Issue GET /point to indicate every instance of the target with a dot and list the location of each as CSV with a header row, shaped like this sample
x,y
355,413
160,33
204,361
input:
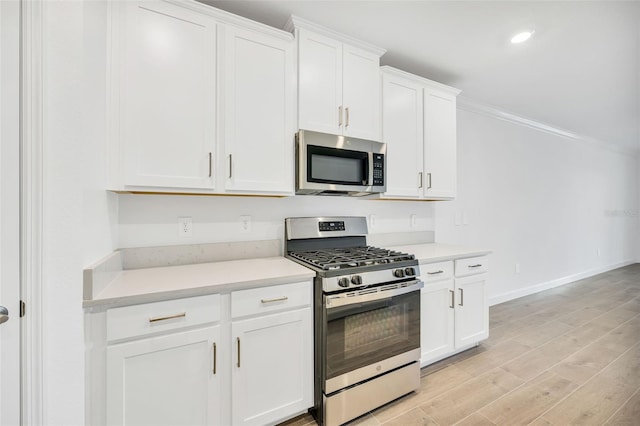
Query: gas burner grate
x,y
350,257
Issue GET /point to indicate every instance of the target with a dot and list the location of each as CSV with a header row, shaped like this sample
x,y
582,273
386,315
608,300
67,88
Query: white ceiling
x,y
579,72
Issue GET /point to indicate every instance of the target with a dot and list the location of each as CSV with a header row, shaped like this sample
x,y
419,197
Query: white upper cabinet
x,y
164,76
338,82
259,76
403,133
201,101
419,127
439,143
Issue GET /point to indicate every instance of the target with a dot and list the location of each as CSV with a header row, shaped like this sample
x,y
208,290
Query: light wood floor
x,y
569,355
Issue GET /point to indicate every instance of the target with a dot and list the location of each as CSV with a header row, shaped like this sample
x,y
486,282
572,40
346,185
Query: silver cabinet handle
x,y
230,165
436,272
453,295
346,119
475,266
156,319
429,180
419,179
340,116
215,357
274,300
461,297
238,343
210,163
4,315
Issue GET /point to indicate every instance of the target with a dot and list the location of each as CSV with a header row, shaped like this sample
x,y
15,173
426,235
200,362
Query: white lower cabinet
x,y
166,380
271,372
454,307
241,358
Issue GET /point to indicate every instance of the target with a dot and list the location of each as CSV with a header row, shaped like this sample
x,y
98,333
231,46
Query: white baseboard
x,y
504,297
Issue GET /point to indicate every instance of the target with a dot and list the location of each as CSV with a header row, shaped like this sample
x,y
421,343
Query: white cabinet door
x,y
166,380
472,313
437,321
439,144
361,93
320,83
167,93
272,376
402,132
258,112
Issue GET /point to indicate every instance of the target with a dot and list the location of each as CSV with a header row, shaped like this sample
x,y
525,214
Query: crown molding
x,y
386,69
469,105
295,22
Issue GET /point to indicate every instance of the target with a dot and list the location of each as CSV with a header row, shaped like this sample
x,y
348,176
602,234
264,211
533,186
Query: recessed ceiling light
x,y
523,36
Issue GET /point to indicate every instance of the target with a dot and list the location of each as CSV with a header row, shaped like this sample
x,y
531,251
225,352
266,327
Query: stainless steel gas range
x,y
366,316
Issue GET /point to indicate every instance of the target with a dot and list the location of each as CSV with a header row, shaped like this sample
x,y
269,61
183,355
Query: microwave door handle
x,y
368,172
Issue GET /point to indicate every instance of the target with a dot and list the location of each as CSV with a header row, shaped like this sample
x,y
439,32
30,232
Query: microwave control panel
x,y
378,169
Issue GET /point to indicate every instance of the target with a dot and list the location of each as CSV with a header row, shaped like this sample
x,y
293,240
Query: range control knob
x,y
410,271
356,280
398,273
343,282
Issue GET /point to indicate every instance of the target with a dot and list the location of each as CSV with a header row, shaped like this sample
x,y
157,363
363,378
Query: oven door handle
x,y
343,299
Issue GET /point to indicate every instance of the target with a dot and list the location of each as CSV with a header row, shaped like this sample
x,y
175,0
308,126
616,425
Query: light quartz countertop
x,y
171,282
436,252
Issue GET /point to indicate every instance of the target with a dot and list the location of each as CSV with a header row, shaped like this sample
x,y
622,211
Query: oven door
x,y
369,332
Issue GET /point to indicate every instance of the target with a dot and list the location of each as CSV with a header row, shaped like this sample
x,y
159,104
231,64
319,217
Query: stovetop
x,y
344,258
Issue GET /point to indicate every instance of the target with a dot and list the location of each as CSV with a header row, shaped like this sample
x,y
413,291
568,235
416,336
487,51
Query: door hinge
x,y
23,308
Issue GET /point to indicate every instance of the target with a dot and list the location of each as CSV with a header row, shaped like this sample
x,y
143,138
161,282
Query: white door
x,y
439,144
9,214
472,313
319,83
258,112
166,380
167,90
436,320
402,132
283,343
361,93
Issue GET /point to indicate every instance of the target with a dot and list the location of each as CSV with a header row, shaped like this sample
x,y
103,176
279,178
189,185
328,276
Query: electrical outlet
x,y
245,223
185,227
517,268
465,218
598,252
372,221
413,220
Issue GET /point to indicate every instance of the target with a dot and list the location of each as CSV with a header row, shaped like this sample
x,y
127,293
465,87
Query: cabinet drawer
x,y
138,320
471,265
268,299
431,272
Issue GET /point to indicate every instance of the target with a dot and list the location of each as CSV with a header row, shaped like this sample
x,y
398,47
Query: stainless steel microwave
x,y
339,165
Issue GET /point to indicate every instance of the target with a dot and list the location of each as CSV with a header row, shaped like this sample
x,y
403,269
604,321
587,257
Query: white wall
x,y
79,216
540,200
148,220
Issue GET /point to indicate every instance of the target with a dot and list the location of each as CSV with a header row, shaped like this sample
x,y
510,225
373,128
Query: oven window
x,y
337,166
365,333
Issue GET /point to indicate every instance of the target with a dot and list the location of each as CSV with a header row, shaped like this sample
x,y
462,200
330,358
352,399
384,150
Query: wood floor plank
x,y
464,400
495,357
591,404
536,335
628,414
441,381
542,358
415,417
585,363
581,316
476,419
529,401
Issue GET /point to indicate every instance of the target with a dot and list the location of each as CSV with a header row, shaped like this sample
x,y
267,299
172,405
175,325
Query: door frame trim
x,y
31,208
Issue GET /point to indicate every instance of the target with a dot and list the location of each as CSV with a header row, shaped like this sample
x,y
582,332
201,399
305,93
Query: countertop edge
x,y
114,302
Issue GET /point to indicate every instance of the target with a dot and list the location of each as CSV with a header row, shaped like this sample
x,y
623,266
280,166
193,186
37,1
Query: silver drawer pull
x,y
156,319
475,266
436,272
279,299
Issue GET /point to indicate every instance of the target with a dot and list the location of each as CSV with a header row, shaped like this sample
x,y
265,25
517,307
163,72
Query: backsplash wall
x,y
151,220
